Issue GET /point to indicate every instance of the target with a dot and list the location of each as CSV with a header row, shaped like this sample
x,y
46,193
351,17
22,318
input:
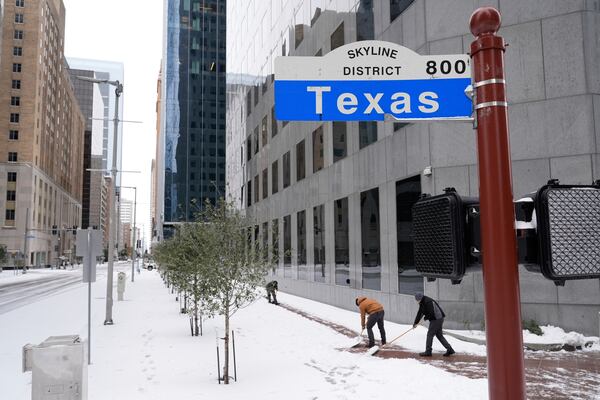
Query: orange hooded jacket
x,y
367,306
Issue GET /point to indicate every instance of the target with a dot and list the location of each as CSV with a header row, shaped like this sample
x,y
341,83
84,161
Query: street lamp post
x,y
108,320
133,242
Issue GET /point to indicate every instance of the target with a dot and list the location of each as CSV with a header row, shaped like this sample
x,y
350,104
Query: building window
x,y
408,191
397,7
367,131
371,252
255,139
19,18
13,135
286,170
249,102
15,101
17,67
18,35
275,243
249,148
249,194
339,140
274,177
16,84
14,118
318,159
298,34
256,190
287,246
300,162
342,243
337,37
399,125
20,3
265,241
273,122
265,182
12,156
301,239
11,177
255,95
17,51
319,242
264,132
10,216
365,25
11,195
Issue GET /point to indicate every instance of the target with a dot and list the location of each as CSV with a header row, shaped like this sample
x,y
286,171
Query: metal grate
x,y
574,228
435,245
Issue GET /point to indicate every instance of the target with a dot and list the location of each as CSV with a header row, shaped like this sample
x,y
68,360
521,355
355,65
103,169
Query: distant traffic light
x,y
446,241
568,231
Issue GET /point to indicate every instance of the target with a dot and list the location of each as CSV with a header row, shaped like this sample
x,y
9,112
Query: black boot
x,y
449,352
425,354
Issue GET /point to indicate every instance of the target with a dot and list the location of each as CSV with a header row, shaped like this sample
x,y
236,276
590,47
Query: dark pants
x,y
375,318
272,293
435,329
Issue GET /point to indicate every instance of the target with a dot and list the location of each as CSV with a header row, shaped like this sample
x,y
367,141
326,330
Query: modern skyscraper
x,y
97,102
335,199
41,135
103,110
191,146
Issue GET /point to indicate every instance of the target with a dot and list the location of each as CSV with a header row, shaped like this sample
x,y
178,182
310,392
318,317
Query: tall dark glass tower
x,y
191,144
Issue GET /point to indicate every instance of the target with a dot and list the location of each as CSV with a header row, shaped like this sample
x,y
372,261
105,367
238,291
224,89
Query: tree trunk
x,y
226,361
196,328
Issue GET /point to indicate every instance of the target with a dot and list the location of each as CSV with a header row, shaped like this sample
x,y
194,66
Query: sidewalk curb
x,y
528,346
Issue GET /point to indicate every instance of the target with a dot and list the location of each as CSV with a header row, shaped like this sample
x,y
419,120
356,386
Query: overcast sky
x,y
127,31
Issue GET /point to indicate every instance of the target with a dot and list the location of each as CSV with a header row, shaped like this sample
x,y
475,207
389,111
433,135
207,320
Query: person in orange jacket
x,y
376,313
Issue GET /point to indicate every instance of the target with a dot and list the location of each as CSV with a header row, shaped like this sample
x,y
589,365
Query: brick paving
x,y
549,375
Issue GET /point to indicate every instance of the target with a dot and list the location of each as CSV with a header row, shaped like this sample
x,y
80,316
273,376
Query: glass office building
x,y
334,200
191,146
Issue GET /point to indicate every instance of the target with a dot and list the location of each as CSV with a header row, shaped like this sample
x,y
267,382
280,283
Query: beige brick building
x,y
41,135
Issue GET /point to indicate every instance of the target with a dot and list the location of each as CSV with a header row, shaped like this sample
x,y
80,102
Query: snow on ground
x,y
551,335
149,353
412,341
12,276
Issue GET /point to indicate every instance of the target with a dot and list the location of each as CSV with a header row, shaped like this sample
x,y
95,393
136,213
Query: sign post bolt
x,y
506,372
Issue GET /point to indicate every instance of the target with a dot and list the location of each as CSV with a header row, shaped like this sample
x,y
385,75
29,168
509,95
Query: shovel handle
x,y
399,336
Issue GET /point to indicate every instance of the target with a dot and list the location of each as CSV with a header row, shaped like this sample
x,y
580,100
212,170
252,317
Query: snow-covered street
x,y
149,353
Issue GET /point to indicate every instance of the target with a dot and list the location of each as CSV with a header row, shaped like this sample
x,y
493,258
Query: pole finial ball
x,y
485,20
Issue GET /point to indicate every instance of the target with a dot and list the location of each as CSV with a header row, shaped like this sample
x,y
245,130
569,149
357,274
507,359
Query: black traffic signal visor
x,y
568,222
439,242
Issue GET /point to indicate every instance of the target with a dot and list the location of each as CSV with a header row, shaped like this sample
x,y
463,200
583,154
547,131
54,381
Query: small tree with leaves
x,y
237,269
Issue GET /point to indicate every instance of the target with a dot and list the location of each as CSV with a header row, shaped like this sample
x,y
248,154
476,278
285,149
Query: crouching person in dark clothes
x,y
375,311
272,291
435,315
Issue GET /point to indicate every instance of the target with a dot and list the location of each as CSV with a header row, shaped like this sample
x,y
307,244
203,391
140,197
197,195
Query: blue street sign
x,y
365,81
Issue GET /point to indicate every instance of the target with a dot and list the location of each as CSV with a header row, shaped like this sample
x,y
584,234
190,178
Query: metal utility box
x,y
59,368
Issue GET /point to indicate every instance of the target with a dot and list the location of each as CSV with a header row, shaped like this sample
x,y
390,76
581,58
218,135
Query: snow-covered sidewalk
x,y
149,353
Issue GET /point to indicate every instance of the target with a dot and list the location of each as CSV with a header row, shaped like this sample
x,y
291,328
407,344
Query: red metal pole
x,y
506,371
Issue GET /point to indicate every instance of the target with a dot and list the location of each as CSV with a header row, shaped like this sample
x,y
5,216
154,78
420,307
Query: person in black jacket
x,y
272,291
435,315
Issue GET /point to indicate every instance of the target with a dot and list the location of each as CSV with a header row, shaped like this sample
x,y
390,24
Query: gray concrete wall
x,y
553,75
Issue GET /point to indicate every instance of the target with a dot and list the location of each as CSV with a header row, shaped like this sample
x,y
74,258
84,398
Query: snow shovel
x,y
358,339
373,350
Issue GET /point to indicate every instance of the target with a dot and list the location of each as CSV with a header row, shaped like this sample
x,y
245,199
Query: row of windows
x,y
408,192
11,195
367,134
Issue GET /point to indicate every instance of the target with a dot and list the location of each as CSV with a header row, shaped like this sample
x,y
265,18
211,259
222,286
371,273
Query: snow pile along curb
x,y
552,339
